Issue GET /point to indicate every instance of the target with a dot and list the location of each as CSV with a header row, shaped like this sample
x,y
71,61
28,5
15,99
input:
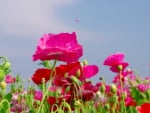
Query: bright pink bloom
x,y
114,61
38,95
9,79
144,108
63,47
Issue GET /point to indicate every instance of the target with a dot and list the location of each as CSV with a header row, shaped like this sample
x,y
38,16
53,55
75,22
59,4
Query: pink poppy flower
x,y
63,47
114,61
9,79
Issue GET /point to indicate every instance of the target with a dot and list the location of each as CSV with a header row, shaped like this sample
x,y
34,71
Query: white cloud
x,y
32,17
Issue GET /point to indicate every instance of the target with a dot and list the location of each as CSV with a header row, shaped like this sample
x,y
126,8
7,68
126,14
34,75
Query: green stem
x,y
45,94
123,108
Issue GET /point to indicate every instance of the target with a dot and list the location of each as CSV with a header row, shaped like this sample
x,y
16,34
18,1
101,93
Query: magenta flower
x,y
114,61
63,47
9,79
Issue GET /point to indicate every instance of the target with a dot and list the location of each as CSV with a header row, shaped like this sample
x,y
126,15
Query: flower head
x,y
63,47
115,61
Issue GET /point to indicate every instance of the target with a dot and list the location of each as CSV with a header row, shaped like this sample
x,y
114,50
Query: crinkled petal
x,y
90,70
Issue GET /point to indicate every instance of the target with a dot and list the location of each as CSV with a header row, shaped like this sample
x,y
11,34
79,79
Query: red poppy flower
x,y
41,74
114,61
88,90
64,73
63,47
144,108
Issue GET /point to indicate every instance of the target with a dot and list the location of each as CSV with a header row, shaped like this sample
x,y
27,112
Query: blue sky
x,y
104,27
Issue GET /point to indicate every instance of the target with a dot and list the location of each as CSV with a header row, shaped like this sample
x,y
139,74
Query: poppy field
x,y
62,82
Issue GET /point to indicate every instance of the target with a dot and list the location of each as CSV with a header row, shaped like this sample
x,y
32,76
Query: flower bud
x,y
3,85
2,74
120,67
78,73
7,65
77,103
68,89
85,62
102,89
107,106
113,88
74,79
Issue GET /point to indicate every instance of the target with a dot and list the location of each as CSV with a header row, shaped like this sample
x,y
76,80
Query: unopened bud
x,y
85,62
78,73
7,65
77,103
3,85
113,88
103,88
75,80
2,74
120,67
107,106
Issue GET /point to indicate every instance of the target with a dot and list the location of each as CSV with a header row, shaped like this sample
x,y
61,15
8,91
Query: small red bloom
x,y
63,47
41,74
